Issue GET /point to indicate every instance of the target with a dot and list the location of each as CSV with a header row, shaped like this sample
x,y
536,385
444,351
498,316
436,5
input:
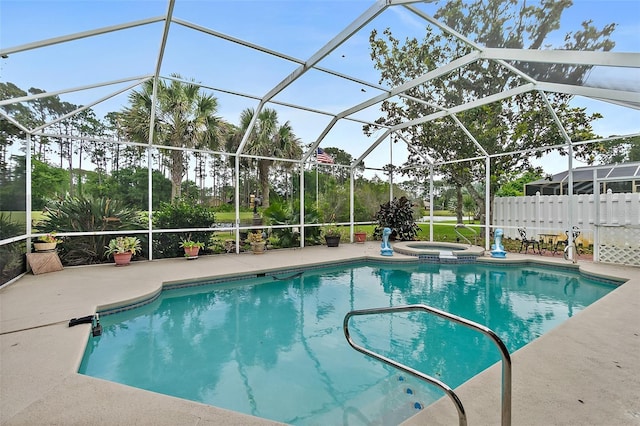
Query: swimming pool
x,y
274,348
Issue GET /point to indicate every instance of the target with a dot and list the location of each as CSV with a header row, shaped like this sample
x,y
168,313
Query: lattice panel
x,y
620,245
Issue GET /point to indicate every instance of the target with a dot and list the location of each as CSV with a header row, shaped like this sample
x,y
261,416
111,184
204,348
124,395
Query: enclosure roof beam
x,y
13,121
629,99
467,106
451,66
163,41
463,107
411,148
257,98
28,98
569,57
84,107
333,44
467,41
468,133
373,146
78,36
271,52
351,29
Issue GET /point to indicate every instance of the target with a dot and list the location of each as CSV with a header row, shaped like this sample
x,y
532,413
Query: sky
x,y
296,28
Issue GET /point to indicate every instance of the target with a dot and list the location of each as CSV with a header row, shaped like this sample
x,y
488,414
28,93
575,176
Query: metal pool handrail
x,y
475,233
506,358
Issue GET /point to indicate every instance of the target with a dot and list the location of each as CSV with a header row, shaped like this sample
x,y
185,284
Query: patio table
x,y
548,242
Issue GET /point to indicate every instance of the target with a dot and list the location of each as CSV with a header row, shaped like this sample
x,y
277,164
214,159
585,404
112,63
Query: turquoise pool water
x,y
275,348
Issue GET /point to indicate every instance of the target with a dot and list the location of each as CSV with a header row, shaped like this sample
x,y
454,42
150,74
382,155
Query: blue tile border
x,y
349,262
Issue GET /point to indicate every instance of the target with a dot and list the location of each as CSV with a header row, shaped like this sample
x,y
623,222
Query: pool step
x,y
390,401
447,255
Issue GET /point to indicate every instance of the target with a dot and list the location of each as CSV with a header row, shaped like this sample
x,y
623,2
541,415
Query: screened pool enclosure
x,y
94,91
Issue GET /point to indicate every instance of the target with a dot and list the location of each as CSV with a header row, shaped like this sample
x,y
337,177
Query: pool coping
x,y
142,300
462,252
40,353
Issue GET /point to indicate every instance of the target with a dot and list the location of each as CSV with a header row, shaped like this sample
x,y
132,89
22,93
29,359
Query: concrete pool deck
x,y
585,371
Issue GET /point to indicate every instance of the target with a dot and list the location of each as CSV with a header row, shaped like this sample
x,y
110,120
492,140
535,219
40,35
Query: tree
x,y
9,133
268,139
518,123
515,186
342,157
619,151
184,118
47,182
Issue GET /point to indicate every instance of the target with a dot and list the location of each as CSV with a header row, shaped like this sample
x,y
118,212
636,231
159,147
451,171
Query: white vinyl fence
x,y
613,228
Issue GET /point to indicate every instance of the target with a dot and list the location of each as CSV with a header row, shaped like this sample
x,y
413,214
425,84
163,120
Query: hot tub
x,y
438,251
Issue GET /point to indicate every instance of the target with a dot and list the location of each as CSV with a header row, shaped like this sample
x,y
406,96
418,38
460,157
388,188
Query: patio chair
x,y
525,242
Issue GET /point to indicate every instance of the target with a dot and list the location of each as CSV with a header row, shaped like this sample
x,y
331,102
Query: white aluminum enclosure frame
x,y
629,99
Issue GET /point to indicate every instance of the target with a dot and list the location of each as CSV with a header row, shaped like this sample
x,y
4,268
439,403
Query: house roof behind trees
x,y
620,177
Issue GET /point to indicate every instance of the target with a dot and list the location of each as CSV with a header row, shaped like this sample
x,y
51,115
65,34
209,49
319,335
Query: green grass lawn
x,y
442,231
445,231
21,216
230,217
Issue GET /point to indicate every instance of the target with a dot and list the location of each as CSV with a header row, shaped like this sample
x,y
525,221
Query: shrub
x,y
285,214
11,255
83,214
181,214
397,215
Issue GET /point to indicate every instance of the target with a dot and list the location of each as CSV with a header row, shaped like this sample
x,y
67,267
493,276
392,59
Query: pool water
x,y
274,347
429,246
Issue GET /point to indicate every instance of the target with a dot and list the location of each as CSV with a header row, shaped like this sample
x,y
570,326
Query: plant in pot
x,y
122,249
46,242
332,235
191,248
398,216
257,242
360,236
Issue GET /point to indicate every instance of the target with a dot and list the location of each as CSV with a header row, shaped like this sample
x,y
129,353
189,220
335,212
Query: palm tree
x,y
185,118
268,139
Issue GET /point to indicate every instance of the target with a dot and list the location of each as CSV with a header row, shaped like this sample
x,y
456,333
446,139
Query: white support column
x,y
150,168
237,202
566,137
431,202
150,201
351,201
28,194
391,169
596,220
487,202
570,209
302,230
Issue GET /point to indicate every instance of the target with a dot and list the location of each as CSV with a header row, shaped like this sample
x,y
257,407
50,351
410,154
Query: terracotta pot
x,y
44,246
122,259
360,237
191,252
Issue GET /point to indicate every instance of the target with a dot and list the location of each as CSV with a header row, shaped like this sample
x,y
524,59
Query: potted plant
x,y
360,236
332,235
191,248
257,242
398,216
46,242
122,249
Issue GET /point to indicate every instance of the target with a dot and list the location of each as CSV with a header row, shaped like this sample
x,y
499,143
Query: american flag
x,y
323,157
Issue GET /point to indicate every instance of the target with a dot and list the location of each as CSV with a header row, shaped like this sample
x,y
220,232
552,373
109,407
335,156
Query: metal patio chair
x,y
525,242
574,236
